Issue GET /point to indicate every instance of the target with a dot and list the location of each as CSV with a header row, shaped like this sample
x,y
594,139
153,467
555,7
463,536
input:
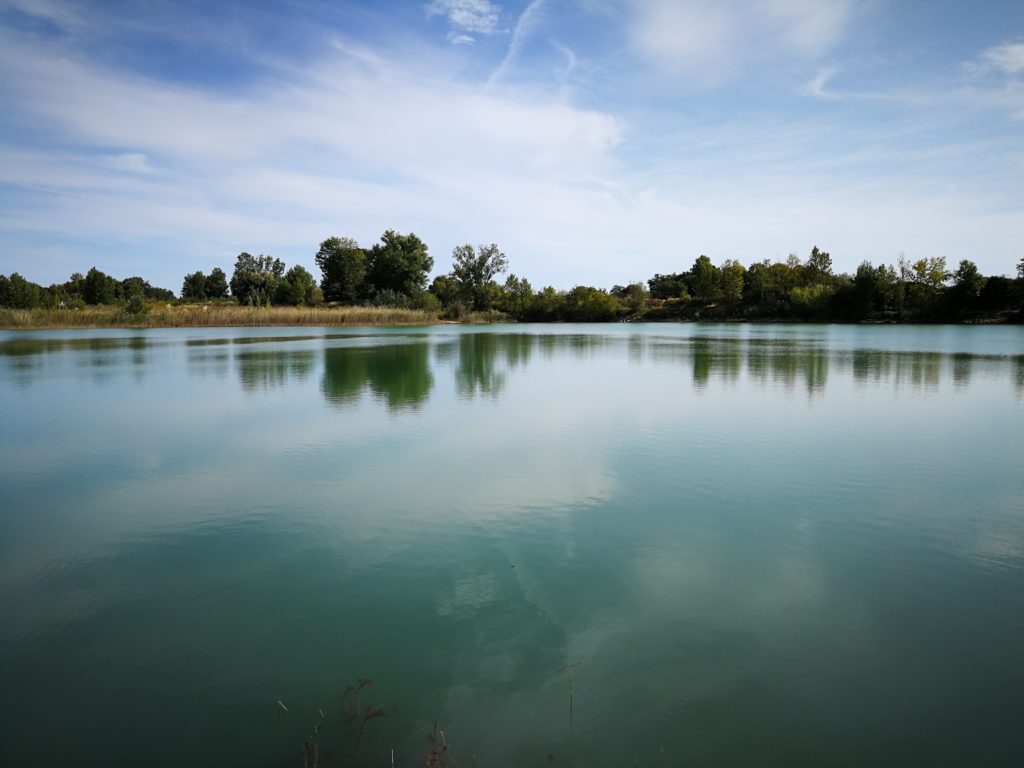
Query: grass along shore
x,y
214,315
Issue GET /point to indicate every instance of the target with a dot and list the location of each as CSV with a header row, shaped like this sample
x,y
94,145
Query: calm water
x,y
746,545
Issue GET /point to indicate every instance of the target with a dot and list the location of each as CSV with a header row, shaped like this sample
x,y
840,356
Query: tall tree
x,y
705,276
516,296
819,265
296,287
194,287
131,286
930,272
968,280
75,286
667,286
216,284
255,278
475,269
19,293
343,267
99,288
731,280
447,290
399,264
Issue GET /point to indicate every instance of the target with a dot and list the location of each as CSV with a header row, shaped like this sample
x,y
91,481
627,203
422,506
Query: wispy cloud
x,y
712,39
467,17
289,161
1007,58
528,20
992,81
593,167
816,86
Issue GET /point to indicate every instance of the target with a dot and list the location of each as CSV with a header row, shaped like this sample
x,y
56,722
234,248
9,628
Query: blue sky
x,y
596,141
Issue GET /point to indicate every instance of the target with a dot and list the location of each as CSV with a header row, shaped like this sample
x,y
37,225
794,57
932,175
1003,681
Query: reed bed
x,y
211,315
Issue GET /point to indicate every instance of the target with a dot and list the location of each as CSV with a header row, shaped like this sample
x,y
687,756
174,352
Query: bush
x,y
427,301
390,298
134,308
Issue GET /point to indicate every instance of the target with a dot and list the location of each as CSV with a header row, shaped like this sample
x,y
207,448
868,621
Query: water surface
x,y
744,544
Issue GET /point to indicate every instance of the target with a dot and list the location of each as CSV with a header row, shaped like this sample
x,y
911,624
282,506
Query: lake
x,y
588,545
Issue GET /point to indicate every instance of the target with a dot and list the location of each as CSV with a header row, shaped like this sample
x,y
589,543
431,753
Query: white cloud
x,y
55,12
1008,58
130,162
477,16
528,19
812,26
181,176
712,39
816,86
287,163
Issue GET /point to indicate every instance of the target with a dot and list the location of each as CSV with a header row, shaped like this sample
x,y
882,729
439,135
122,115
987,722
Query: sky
x,y
596,142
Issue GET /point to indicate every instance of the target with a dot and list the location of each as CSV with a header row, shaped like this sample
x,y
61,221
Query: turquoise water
x,y
743,544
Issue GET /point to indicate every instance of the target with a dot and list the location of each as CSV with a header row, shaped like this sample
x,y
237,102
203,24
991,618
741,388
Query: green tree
x,y
448,292
819,265
75,286
930,272
99,288
216,285
342,265
399,263
758,283
586,304
635,296
866,293
731,280
968,280
926,279
516,296
135,307
705,277
667,286
254,281
1020,269
21,293
475,270
158,294
295,288
546,304
810,301
131,286
194,287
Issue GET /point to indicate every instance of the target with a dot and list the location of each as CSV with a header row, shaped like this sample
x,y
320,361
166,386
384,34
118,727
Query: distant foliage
x,y
342,264
94,288
194,287
99,288
393,274
295,288
216,285
474,271
255,279
398,264
668,286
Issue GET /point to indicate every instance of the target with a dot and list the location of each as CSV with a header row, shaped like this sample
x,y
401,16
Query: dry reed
x,y
211,316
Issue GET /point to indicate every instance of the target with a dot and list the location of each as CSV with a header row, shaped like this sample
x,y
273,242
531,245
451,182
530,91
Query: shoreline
x,y
210,316
234,316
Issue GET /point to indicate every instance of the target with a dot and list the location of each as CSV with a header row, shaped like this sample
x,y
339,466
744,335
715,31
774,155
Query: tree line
x,y
923,290
395,270
93,288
